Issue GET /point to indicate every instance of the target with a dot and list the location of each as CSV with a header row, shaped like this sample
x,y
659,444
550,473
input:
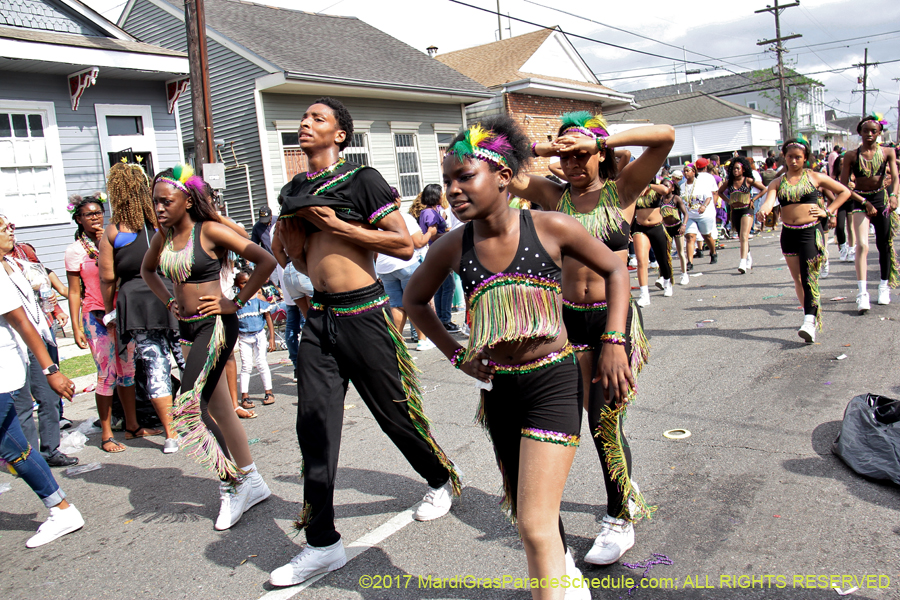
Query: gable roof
x,y
310,44
681,109
740,83
84,41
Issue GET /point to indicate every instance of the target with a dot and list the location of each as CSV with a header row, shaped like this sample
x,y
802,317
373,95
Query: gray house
x,y
267,65
76,94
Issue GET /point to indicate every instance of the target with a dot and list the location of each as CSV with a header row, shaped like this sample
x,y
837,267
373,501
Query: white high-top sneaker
x,y
644,299
667,289
884,294
742,266
862,302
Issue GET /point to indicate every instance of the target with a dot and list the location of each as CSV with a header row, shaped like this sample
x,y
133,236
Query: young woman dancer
x,y
602,199
737,189
203,412
844,229
674,216
873,203
509,263
648,231
698,194
802,242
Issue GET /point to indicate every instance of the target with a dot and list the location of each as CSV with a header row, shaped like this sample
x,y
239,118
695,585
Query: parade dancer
x,y
203,413
873,203
737,189
333,220
802,241
602,199
648,231
674,216
509,263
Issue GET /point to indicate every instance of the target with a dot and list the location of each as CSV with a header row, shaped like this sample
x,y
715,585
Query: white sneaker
x,y
632,261
749,261
742,266
826,270
653,265
309,563
259,491
808,332
435,504
685,279
644,300
425,344
59,523
667,289
845,251
660,283
884,295
171,446
233,497
851,254
578,587
616,537
862,302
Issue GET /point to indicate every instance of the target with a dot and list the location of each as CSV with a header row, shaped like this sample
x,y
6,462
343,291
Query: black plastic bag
x,y
869,446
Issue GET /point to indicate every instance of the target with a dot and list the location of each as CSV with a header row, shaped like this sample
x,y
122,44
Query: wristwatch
x,y
54,368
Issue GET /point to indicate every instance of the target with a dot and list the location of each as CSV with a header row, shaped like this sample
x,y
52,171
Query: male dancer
x,y
334,218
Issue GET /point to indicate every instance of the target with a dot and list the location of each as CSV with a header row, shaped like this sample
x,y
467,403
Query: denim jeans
x,y
36,387
16,450
292,326
443,300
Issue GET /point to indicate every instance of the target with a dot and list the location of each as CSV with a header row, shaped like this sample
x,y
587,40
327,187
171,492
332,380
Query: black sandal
x,y
134,432
112,440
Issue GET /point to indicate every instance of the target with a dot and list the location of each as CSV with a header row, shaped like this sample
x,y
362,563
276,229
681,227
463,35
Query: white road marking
x,y
370,540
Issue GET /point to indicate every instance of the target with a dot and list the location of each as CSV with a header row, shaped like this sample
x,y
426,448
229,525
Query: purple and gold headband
x,y
482,144
184,178
583,122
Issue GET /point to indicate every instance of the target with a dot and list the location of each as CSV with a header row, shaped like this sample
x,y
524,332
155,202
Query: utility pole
x,y
201,104
897,139
499,23
865,79
779,50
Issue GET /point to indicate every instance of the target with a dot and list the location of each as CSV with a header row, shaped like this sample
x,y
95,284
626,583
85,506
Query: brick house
x,y
535,78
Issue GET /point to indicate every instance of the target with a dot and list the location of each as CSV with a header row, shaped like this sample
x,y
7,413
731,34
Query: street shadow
x,y
747,335
829,465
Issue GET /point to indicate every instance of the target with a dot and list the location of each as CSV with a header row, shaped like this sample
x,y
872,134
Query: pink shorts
x,y
111,370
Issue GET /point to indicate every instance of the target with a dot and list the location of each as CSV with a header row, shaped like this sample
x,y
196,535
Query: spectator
x,y
252,318
262,230
432,198
16,334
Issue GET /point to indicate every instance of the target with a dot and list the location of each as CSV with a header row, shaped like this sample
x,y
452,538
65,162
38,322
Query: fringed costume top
x,y
739,197
669,209
649,200
869,168
191,264
521,302
802,192
355,193
605,221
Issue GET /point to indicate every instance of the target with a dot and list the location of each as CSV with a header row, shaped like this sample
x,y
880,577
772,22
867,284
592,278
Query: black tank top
x,y
203,267
523,301
869,168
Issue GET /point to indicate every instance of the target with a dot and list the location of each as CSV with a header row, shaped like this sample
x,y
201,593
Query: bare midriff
x,y
336,265
582,285
648,217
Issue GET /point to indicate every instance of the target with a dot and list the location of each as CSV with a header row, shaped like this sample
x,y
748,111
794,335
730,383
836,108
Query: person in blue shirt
x,y
253,318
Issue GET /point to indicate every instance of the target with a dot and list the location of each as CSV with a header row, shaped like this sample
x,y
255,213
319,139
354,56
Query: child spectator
x,y
252,318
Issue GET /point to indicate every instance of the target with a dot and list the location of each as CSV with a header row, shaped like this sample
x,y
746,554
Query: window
x,y
116,125
126,131
408,164
295,161
753,105
31,179
357,151
443,142
674,162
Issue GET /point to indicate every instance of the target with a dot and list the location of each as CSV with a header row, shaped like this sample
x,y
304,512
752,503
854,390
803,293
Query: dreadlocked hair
x,y
518,152
77,203
746,170
129,195
202,208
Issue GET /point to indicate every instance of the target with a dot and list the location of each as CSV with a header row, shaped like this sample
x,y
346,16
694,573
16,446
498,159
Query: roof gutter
x,y
405,87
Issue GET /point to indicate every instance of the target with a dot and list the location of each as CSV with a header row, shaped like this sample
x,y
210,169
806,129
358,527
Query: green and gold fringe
x,y
814,266
187,420
413,400
646,200
894,272
609,430
869,168
302,519
792,192
668,252
604,219
640,345
510,308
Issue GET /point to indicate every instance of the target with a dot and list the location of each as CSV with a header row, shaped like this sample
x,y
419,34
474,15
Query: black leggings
x,y
807,243
350,337
200,334
659,243
883,233
844,220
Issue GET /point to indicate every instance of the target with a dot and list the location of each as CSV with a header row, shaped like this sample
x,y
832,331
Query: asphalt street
x,y
752,505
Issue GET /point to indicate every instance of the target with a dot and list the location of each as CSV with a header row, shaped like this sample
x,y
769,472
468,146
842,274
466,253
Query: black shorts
x,y
795,240
876,197
739,213
638,228
585,323
673,230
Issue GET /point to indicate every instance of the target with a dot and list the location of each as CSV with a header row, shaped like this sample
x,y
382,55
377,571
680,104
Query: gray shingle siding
x,y
232,82
43,14
83,165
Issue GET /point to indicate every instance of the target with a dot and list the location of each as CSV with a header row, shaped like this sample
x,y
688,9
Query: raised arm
x,y
840,191
391,237
657,141
291,238
537,189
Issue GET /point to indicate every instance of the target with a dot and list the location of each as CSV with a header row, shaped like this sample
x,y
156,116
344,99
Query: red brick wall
x,y
539,116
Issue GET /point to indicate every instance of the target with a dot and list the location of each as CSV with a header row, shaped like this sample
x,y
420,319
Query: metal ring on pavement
x,y
677,434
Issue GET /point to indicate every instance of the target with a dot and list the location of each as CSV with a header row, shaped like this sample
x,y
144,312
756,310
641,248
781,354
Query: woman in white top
x,y
697,194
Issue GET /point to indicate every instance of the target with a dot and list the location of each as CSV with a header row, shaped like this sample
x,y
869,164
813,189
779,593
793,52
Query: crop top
x,y
191,264
649,200
605,221
739,197
802,192
669,208
521,302
869,168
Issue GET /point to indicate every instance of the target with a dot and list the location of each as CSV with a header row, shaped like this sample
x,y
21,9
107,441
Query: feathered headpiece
x,y
482,144
878,118
585,123
99,198
184,178
801,142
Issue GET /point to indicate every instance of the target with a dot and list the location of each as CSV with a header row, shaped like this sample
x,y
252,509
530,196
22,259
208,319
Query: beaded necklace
x,y
870,167
25,304
89,246
335,181
326,171
792,192
176,265
604,219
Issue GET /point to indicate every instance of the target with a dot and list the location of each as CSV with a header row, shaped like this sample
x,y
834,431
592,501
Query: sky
x,y
725,37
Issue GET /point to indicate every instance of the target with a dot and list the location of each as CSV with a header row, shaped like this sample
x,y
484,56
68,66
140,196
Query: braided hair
x,y
129,196
77,203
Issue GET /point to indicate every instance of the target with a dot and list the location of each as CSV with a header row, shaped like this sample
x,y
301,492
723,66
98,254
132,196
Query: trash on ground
x,y
677,434
845,592
5,487
72,442
773,296
838,298
89,388
253,441
349,406
827,383
657,559
82,469
841,357
87,427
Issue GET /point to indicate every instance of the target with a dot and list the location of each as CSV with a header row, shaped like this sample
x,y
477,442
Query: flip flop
x,y
135,433
270,399
243,413
112,440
